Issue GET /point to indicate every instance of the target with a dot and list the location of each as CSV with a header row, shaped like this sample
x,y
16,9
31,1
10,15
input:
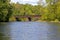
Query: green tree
x,y
5,10
52,7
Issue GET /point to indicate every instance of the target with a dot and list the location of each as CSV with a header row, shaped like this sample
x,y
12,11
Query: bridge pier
x,y
17,19
29,18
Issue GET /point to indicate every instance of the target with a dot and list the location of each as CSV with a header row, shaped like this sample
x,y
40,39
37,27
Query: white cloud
x,y
14,1
30,0
24,0
33,2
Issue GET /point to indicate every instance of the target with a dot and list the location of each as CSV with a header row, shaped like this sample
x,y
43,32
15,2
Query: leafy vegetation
x,y
50,12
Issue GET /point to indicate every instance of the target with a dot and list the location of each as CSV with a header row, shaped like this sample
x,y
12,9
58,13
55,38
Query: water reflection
x,y
4,31
29,31
55,30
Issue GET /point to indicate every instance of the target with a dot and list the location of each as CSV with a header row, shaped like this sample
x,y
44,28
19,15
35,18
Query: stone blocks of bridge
x,y
24,19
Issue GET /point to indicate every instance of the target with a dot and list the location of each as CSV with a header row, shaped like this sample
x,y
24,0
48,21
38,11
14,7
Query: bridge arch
x,y
29,17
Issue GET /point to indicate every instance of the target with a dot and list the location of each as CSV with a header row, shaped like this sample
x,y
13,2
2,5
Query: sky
x,y
33,2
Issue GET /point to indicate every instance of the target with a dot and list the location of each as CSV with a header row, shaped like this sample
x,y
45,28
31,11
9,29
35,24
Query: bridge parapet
x,y
26,16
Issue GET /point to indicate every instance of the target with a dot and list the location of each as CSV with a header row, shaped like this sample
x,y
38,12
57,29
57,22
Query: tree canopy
x,y
49,12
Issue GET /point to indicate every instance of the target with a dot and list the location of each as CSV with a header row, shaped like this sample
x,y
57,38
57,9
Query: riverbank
x,y
47,21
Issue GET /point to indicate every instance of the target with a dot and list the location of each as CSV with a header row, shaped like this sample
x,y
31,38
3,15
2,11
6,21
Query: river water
x,y
29,31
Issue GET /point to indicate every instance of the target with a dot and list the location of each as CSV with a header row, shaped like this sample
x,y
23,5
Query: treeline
x,y
49,12
6,10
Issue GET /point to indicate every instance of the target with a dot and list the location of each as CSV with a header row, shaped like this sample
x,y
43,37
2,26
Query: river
x,y
29,31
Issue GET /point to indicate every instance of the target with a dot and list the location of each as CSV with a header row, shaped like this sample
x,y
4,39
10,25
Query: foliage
x,y
50,12
5,10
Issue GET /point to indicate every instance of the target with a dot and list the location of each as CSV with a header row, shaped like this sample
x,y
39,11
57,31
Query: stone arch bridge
x,y
29,17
